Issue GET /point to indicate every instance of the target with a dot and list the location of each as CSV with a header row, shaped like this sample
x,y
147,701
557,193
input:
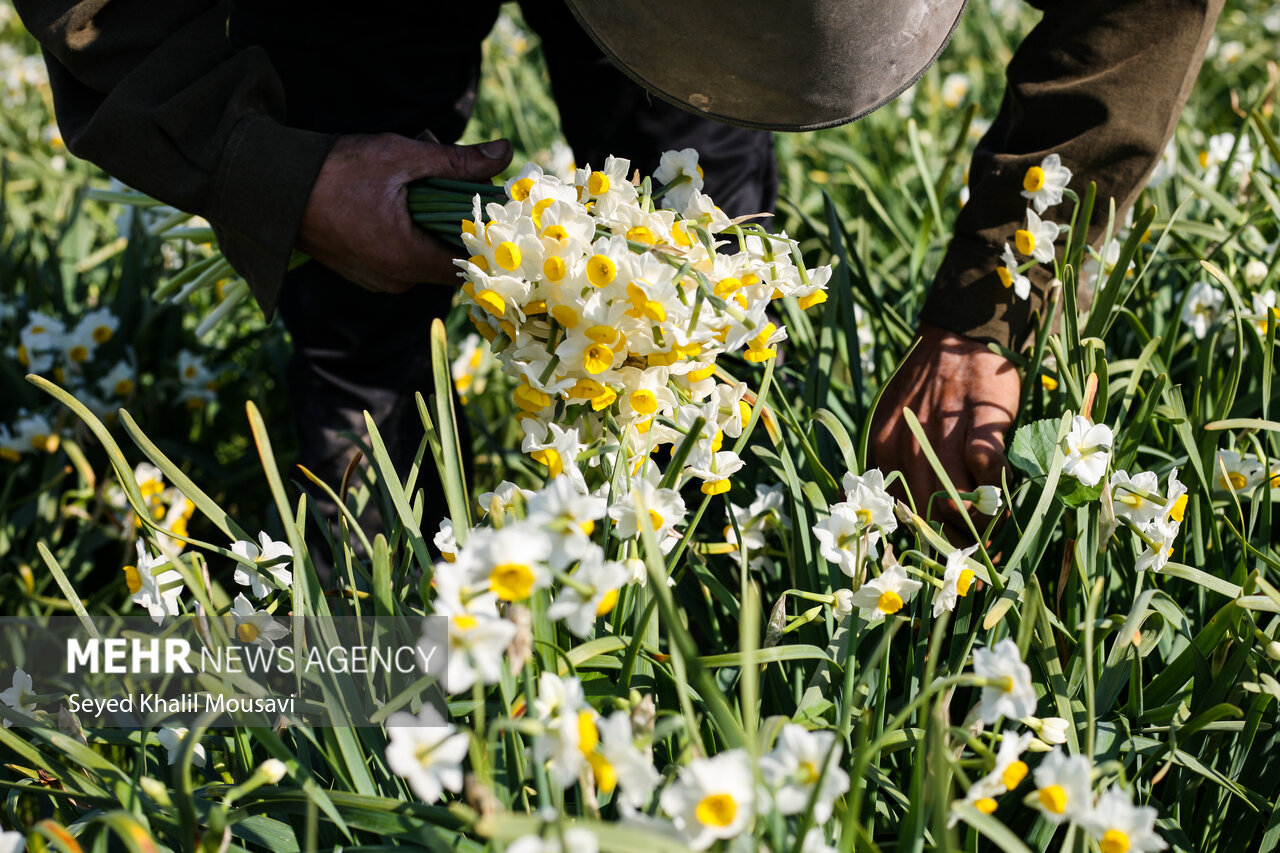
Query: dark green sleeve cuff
x,y
260,192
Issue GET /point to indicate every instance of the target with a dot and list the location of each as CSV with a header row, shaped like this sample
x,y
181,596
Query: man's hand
x,y
357,218
965,397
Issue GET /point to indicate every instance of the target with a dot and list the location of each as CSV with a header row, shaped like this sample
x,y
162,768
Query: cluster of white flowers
x,y
851,533
540,540
1221,150
1154,517
1204,305
66,354
1043,187
30,433
166,506
70,355
610,313
1063,791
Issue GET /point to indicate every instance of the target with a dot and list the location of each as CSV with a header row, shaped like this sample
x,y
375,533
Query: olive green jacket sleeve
x,y
154,93
1099,82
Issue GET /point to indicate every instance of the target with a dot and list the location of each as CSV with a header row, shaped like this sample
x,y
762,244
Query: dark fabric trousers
x,y
355,350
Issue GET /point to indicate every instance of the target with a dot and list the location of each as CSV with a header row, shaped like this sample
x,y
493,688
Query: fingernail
x,y
495,150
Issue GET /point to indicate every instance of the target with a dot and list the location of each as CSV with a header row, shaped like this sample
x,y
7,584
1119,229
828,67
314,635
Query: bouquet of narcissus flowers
x,y
610,302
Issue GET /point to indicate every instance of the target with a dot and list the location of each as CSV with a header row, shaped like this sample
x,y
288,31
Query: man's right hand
x,y
357,217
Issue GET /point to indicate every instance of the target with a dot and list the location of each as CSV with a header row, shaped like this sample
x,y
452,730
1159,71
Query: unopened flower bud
x,y
1273,650
1254,272
273,769
639,574
1052,730
988,500
841,603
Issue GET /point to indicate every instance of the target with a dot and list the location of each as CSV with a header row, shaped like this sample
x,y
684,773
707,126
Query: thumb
x,y
473,162
984,453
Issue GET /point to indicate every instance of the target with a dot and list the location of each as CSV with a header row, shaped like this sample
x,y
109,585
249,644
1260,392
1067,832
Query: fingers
x,y
460,162
984,456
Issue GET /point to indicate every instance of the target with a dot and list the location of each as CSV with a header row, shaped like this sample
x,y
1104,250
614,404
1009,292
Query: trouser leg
x,y
357,351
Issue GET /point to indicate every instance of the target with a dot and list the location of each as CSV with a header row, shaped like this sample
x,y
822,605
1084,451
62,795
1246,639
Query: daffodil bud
x,y
639,573
1254,272
1273,650
841,603
988,500
273,770
1051,730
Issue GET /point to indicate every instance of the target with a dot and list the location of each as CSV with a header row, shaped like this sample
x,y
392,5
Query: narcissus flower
x,y
1202,308
618,763
1043,185
1063,788
679,164
712,799
172,738
1254,272
957,580
427,753
589,593
987,500
271,557
1088,450
154,586
1265,312
570,727
255,626
1007,774
1137,498
31,433
803,767
1010,693
1234,472
477,647
1121,827
1036,239
1010,276
885,595
119,381
954,89
19,696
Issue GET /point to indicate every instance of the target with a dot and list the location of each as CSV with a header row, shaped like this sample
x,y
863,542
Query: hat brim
x,y
768,64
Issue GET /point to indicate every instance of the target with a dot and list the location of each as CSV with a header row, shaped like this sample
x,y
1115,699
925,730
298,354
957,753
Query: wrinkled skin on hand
x,y
357,217
965,397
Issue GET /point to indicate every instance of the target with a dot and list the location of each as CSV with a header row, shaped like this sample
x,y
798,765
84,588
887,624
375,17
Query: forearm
x,y
155,95
1099,82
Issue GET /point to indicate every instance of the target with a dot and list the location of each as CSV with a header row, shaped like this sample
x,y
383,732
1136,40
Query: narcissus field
x,y
675,606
